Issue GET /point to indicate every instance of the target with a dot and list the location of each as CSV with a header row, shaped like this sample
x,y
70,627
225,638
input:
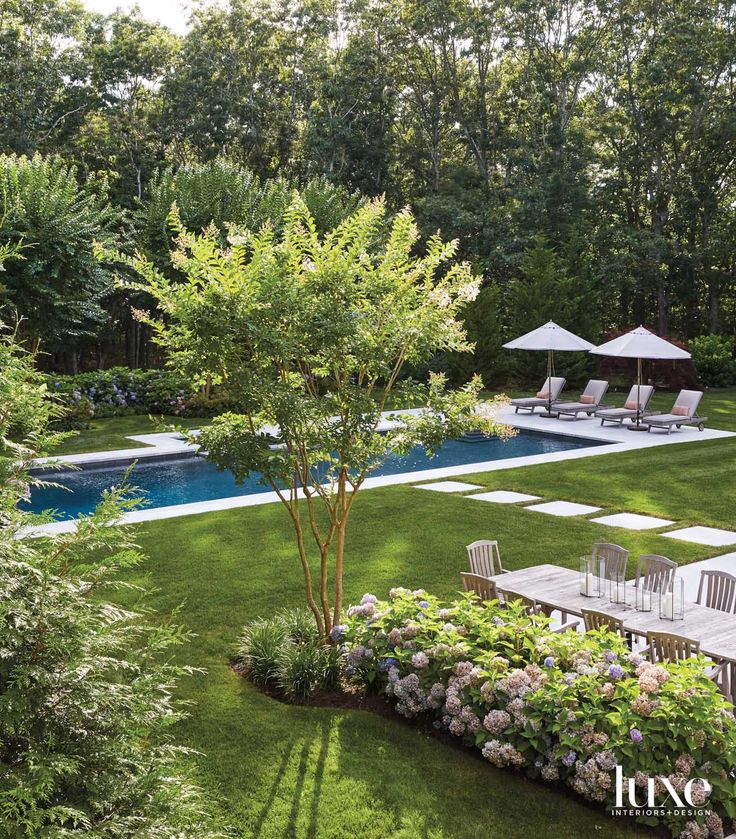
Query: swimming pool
x,y
183,480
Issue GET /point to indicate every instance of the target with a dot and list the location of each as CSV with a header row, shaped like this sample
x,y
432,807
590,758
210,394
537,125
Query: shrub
x,y
285,653
120,391
566,707
714,360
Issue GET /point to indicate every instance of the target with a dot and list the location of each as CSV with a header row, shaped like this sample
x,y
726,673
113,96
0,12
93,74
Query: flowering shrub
x,y
566,706
119,391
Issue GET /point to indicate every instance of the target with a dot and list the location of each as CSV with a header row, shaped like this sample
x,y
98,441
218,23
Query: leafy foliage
x,y
318,332
714,359
86,708
58,287
566,706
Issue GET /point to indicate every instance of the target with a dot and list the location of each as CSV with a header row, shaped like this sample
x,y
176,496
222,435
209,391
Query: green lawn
x,y
111,433
282,771
287,771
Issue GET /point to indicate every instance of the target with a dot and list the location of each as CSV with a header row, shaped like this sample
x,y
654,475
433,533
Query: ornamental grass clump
x,y
567,707
285,654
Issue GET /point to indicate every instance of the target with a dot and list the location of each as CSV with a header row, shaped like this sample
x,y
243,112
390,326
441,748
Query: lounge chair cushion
x,y
543,394
631,405
587,400
681,411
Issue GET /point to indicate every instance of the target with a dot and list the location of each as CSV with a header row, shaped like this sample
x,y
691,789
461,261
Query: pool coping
x,y
171,443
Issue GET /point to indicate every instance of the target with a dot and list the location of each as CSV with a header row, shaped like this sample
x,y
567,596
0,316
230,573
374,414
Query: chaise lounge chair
x,y
684,412
629,411
589,402
551,390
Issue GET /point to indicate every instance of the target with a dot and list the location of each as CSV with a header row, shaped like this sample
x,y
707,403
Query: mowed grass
x,y
275,770
110,433
278,770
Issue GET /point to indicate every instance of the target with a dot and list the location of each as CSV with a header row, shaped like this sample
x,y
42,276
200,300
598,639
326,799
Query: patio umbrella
x,y
640,343
550,337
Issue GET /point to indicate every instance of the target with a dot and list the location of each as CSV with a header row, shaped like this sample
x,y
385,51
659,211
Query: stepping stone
x,y
563,508
704,536
448,486
501,496
633,521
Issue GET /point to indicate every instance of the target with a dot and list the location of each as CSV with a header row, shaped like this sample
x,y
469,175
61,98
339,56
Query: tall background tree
x,y
606,130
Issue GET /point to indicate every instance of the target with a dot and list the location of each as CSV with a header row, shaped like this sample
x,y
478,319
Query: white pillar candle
x,y
668,605
587,585
646,600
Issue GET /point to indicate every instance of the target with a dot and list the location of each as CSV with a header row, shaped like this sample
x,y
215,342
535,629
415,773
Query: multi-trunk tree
x,y
310,334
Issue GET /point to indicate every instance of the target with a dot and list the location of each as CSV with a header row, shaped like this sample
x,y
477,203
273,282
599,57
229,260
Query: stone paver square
x,y
563,508
713,536
502,496
633,521
449,486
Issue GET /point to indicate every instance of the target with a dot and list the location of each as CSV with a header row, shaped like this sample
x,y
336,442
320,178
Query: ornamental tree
x,y
310,334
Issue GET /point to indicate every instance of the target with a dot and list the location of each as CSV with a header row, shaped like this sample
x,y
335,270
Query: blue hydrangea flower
x,y
636,735
616,671
386,664
549,661
423,604
570,758
337,633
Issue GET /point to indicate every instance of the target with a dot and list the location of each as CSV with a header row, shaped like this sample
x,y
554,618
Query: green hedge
x,y
120,391
565,707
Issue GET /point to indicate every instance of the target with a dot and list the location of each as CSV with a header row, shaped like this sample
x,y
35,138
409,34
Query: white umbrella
x,y
640,343
550,337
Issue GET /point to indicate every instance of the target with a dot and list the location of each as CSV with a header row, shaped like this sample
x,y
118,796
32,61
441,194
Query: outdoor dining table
x,y
559,588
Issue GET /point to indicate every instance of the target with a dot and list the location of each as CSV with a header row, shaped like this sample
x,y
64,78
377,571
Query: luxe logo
x,y
650,801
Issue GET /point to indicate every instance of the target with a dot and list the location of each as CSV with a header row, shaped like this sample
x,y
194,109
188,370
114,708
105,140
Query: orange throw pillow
x,y
543,394
631,405
587,400
680,411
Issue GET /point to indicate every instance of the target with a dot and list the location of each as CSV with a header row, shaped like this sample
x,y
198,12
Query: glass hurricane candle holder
x,y
672,601
590,581
617,589
644,598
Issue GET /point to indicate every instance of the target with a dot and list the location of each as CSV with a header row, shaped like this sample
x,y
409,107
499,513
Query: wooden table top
x,y
559,588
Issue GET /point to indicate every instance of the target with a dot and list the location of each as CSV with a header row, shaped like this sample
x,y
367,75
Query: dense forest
x,y
582,151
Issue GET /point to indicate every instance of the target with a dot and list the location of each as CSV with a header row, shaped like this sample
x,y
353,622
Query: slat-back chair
x,y
482,586
717,590
663,646
655,572
600,620
614,559
485,558
535,608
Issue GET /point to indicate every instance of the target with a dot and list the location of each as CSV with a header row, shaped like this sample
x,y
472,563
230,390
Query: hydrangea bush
x,y
119,391
565,707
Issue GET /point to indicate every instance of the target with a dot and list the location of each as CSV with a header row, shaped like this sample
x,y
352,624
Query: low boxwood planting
x,y
563,707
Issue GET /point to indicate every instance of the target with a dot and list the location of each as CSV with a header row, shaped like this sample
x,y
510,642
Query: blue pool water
x,y
181,481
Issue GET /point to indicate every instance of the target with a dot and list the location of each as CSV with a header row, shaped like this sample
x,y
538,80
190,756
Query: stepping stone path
x,y
704,536
563,508
449,486
699,535
633,521
500,496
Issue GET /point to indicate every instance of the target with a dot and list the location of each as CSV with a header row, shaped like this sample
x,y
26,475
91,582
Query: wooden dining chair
x,y
600,620
655,572
485,558
664,646
535,608
614,559
717,590
482,586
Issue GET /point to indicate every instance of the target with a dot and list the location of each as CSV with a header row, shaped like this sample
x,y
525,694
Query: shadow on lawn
x,y
321,741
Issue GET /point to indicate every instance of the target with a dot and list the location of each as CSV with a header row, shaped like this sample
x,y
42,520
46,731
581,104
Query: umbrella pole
x,y
638,426
548,412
